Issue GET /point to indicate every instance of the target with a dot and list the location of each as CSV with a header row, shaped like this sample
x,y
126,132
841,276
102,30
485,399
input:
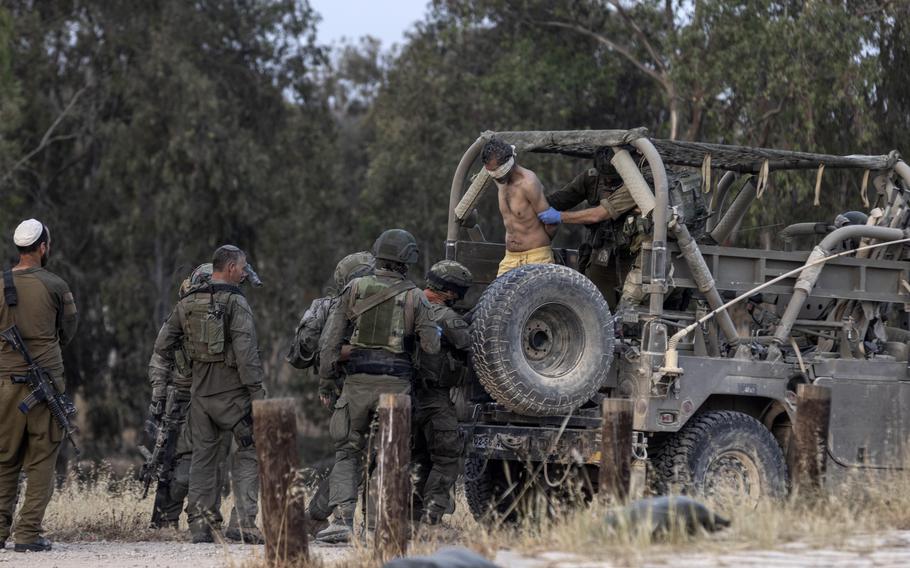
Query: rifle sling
x,y
9,288
367,304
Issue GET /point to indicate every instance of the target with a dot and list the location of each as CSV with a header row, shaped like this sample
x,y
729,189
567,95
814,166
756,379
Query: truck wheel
x,y
486,489
724,456
542,340
492,486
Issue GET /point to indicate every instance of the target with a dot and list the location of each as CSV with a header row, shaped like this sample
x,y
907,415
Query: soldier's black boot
x,y
202,536
340,531
160,525
40,545
202,532
246,535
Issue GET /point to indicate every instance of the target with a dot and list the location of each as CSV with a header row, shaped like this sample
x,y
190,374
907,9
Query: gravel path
x,y
884,551
146,555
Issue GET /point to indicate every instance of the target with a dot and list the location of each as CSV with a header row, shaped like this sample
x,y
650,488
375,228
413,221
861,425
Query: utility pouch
x,y
213,332
182,362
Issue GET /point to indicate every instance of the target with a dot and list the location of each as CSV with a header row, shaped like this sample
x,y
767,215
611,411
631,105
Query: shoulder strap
x,y
368,304
215,288
409,308
10,294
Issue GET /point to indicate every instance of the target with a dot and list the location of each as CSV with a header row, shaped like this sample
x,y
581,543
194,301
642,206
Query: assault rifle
x,y
42,388
159,460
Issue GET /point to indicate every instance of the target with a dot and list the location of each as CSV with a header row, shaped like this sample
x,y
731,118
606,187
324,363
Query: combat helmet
x,y
353,266
396,245
200,275
450,276
850,218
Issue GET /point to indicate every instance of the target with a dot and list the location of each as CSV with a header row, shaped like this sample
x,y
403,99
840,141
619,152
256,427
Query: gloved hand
x,y
156,408
550,217
328,392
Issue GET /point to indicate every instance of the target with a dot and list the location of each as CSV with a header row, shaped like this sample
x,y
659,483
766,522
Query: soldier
x,y
601,189
386,315
438,446
180,374
607,199
43,308
215,326
304,353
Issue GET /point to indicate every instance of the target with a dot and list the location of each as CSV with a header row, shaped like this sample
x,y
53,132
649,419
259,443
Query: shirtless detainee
x,y
521,198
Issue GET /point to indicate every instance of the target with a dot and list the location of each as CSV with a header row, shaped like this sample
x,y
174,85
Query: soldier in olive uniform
x,y
607,199
215,326
161,375
386,316
304,354
42,306
437,444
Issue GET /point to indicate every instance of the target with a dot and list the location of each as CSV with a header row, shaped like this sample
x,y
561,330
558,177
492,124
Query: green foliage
x,y
192,125
146,134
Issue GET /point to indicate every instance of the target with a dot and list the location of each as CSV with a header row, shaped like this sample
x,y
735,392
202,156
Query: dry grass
x,y
95,504
103,507
862,506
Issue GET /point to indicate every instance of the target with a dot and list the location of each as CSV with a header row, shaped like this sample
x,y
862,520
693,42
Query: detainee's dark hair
x,y
45,236
496,149
225,255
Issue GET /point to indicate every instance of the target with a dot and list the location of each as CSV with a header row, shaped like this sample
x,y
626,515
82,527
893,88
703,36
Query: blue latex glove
x,y
550,217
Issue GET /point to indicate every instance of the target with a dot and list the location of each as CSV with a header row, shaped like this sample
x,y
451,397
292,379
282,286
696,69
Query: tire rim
x,y
733,479
553,340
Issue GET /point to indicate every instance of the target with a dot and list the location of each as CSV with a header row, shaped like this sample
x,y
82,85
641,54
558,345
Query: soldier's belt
x,y
378,362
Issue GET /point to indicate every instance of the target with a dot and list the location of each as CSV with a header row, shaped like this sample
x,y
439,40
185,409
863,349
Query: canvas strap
x,y
367,304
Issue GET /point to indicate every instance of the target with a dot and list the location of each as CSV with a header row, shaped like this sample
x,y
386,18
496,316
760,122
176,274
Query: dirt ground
x,y
889,550
146,555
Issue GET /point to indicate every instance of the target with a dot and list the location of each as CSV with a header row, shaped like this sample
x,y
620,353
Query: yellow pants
x,y
512,260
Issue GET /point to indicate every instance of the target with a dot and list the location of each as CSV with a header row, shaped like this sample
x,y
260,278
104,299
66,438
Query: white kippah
x,y
28,232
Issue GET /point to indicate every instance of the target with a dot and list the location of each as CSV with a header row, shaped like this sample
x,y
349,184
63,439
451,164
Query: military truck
x,y
713,355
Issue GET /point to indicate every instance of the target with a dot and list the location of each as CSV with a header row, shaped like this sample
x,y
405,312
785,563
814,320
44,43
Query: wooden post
x,y
283,510
616,448
810,437
394,458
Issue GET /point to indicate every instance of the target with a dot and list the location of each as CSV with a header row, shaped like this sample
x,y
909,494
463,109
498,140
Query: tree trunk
x,y
394,476
283,510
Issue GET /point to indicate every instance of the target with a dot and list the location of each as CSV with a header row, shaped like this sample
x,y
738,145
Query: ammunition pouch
x,y
182,362
379,362
207,338
634,228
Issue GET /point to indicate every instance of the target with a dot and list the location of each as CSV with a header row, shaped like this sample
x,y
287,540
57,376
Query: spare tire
x,y
542,340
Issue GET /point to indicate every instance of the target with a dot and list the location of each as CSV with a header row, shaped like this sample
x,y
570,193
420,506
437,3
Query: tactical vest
x,y
389,325
205,335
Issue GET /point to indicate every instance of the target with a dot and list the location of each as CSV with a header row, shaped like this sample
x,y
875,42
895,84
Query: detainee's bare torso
x,y
524,231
